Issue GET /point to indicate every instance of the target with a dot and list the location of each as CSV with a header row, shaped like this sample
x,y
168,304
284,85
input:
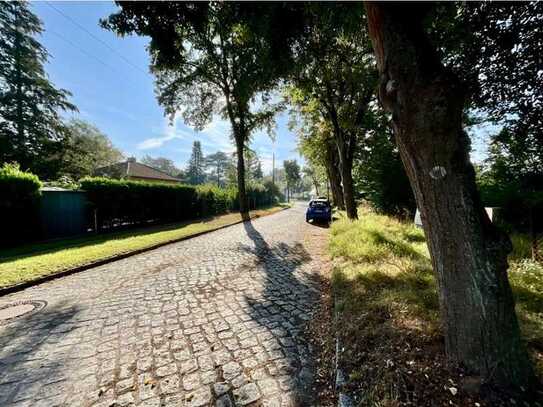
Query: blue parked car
x,y
319,209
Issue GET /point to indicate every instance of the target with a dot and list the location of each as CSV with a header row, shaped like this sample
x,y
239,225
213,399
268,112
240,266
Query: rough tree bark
x,y
333,172
240,136
469,254
346,167
315,183
243,204
344,143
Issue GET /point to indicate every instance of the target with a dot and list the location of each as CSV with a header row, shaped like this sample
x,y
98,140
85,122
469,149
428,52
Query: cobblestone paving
x,y
215,320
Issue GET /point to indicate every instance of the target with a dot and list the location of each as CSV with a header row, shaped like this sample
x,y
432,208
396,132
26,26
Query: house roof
x,y
132,168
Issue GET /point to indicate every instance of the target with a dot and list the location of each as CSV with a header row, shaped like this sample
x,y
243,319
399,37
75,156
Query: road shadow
x,y
320,224
32,365
284,308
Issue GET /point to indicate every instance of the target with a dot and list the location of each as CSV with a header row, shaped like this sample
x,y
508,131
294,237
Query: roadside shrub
x,y
520,209
273,191
261,195
122,202
379,174
213,200
19,205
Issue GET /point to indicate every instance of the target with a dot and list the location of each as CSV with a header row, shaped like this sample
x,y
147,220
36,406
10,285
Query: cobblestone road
x,y
215,320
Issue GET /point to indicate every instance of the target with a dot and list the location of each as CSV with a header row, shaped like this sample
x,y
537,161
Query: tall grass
x,y
385,291
384,264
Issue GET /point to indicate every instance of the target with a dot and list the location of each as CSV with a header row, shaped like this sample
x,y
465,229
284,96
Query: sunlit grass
x,y
384,284
522,247
384,265
33,261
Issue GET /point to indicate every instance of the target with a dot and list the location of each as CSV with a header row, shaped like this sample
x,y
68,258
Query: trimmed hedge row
x,y
122,202
19,200
113,203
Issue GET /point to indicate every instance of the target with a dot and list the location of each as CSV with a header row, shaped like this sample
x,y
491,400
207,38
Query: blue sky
x,y
109,79
112,88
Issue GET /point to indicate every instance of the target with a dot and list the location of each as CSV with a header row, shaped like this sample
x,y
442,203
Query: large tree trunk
x,y
242,193
315,184
469,254
344,144
346,166
333,172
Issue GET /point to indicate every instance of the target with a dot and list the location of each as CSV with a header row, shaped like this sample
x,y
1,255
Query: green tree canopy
x,y
195,173
208,59
292,175
379,174
218,163
86,149
335,81
254,165
163,164
31,130
495,48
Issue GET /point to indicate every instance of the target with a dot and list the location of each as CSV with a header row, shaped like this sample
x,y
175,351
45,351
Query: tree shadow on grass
x,y
284,308
394,354
397,247
389,331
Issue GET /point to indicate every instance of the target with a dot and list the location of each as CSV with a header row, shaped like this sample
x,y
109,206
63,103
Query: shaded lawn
x,y
388,308
29,262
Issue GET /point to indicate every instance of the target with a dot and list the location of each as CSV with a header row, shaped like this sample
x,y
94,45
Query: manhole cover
x,y
20,308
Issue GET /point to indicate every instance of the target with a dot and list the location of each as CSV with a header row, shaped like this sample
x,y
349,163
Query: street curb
x,y
344,400
22,286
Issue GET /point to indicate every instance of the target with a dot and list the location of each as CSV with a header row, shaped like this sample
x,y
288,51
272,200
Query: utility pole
x,y
273,168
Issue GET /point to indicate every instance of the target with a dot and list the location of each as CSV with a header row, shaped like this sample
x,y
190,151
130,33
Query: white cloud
x,y
171,132
267,164
155,142
216,136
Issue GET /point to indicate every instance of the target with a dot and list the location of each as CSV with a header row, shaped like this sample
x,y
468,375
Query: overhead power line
x,y
85,52
126,60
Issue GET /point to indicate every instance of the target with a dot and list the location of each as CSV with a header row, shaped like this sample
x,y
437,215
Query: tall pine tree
x,y
196,170
218,163
31,130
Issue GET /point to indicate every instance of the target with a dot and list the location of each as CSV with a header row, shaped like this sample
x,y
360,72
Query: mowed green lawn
x,y
30,262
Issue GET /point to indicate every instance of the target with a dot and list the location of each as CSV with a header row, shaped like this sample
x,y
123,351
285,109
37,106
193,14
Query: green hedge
x,y
116,203
19,205
212,200
516,206
121,202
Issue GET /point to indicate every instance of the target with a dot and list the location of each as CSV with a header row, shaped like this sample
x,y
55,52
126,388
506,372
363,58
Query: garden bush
x,y
519,209
19,205
122,202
